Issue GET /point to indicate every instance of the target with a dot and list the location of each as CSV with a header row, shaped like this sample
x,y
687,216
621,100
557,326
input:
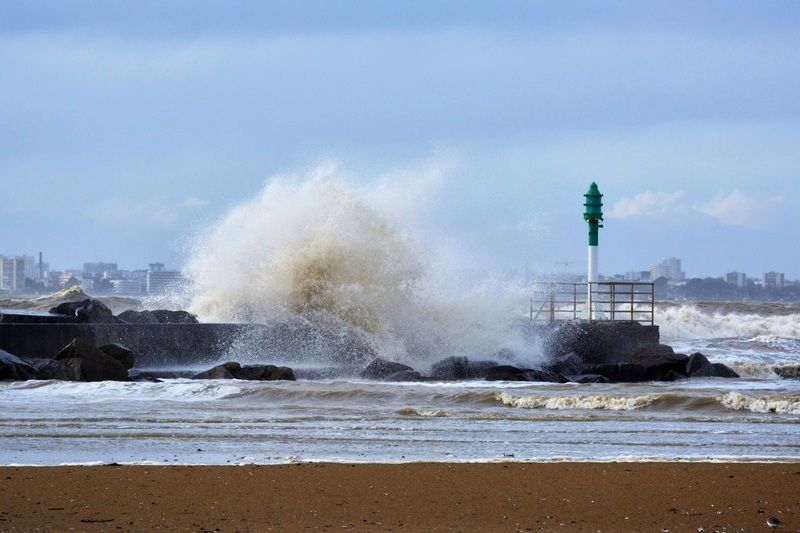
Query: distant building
x,y
127,287
160,280
637,275
736,278
12,274
773,279
669,268
99,270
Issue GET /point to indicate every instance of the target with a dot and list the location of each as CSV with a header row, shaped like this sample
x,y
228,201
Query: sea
x,y
353,259
184,421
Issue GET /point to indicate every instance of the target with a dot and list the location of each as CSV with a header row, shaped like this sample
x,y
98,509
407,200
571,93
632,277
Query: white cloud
x,y
648,203
734,209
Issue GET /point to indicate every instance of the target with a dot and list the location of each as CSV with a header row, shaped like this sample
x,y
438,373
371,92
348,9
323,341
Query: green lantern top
x,y
594,203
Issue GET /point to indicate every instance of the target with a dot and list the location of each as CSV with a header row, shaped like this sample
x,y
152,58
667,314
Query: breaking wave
x,y
614,403
761,404
698,321
322,251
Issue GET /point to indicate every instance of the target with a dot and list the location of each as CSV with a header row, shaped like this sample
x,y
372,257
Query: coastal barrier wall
x,y
597,342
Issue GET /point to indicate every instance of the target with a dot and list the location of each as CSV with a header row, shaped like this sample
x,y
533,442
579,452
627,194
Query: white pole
x,y
591,277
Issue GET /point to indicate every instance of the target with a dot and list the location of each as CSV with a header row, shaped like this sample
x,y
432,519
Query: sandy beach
x,y
409,497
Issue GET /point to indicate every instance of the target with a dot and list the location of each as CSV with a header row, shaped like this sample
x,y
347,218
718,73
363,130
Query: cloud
x,y
648,204
152,211
730,209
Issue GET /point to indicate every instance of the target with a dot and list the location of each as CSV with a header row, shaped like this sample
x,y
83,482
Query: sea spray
x,y
316,250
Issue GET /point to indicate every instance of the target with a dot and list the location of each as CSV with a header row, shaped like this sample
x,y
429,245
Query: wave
x,y
325,252
760,404
425,413
699,321
614,403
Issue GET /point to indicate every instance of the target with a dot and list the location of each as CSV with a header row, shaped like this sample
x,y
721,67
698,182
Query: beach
x,y
514,496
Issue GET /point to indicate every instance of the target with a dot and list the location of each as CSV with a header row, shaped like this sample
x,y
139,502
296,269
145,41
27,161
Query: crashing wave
x,y
761,404
614,403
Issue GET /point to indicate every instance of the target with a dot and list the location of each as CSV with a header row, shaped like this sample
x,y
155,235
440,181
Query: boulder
x,y
88,311
570,363
138,317
120,353
174,317
671,375
724,371
233,370
455,368
15,368
383,370
63,370
512,373
620,372
699,366
651,355
93,364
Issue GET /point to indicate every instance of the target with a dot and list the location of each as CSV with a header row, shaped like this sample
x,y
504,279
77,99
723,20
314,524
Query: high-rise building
x,y
127,287
160,280
736,278
12,274
669,268
100,270
773,279
637,275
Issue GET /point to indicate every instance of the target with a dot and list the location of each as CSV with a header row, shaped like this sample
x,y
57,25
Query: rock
x,y
459,367
63,370
650,355
588,378
120,353
88,311
93,364
383,370
223,371
671,375
620,372
512,373
233,370
724,371
138,317
699,366
15,368
174,317
570,363
406,375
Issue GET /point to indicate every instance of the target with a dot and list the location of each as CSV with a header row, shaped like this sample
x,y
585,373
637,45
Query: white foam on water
x,y
689,321
761,404
614,403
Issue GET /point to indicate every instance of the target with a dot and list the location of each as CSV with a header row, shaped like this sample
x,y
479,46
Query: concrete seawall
x,y
595,342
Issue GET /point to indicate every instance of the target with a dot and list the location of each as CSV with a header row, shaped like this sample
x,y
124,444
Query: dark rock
x,y
63,370
620,372
15,368
138,317
233,370
512,373
93,364
223,371
174,317
570,363
671,375
120,353
455,368
650,355
381,369
588,378
699,366
405,375
88,311
724,371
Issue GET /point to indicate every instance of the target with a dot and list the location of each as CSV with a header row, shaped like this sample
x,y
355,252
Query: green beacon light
x,y
593,215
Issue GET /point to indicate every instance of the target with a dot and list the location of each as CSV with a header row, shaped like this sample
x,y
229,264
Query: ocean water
x,y
181,421
347,259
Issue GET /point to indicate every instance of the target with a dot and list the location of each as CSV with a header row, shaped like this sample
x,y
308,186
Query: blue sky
x,y
126,126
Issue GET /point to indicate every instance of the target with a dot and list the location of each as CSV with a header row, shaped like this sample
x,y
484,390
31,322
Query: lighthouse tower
x,y
593,215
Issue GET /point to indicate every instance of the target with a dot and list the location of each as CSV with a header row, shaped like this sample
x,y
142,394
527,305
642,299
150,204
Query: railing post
x,y
613,298
632,288
591,305
652,303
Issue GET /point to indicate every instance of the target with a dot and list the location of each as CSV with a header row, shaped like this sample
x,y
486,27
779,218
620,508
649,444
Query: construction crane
x,y
566,264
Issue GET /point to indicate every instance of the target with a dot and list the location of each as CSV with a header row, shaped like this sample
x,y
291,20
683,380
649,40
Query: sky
x,y
128,127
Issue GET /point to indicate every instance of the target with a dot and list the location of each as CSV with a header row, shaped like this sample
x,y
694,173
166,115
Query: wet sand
x,y
403,497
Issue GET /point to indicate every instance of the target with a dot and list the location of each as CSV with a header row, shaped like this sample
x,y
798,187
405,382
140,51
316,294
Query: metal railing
x,y
612,301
